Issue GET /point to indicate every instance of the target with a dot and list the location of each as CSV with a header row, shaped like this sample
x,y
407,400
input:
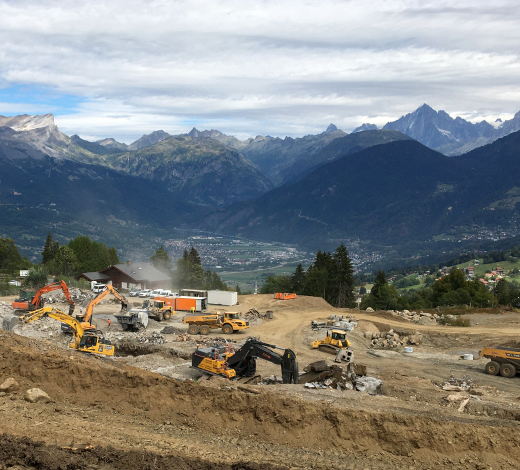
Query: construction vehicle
x,y
335,342
504,361
85,341
224,361
229,322
135,319
86,317
284,296
29,301
160,308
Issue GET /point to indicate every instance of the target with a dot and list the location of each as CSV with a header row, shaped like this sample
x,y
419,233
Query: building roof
x,y
140,272
94,276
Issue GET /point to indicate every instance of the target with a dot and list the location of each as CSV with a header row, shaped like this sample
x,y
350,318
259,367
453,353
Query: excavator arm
x,y
244,360
37,300
95,301
56,314
83,341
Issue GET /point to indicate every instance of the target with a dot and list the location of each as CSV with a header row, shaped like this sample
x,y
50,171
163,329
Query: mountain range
x,y
385,185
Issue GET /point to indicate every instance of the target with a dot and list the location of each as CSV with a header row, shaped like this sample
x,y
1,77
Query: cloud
x,y
280,68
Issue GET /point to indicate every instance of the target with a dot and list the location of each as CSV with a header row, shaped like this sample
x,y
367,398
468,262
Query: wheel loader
x,y
229,322
336,343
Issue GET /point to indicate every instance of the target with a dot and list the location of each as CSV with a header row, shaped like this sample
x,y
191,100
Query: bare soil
x,y
170,418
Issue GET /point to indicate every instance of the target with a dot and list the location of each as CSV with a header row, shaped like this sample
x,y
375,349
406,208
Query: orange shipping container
x,y
284,296
196,304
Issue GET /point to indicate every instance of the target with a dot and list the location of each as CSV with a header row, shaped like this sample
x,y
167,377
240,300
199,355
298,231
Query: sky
x,y
122,69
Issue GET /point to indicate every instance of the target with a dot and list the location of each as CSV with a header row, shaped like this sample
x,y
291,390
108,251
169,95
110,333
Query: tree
x,y
10,258
50,249
113,259
502,292
37,277
190,274
298,279
343,277
162,261
378,283
362,290
65,262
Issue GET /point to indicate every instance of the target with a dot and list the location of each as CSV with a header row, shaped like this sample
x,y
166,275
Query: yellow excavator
x,y
84,341
335,342
86,317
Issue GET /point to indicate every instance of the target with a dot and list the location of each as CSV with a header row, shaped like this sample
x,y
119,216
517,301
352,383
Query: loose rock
x,y
34,395
9,385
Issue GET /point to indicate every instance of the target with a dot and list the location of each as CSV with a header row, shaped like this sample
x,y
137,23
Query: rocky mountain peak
x,y
365,127
331,128
26,122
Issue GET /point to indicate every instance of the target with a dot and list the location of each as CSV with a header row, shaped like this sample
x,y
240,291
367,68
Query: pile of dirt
x,y
25,453
262,302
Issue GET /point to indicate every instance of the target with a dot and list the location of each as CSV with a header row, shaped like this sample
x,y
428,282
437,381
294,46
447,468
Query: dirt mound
x,y
24,452
263,302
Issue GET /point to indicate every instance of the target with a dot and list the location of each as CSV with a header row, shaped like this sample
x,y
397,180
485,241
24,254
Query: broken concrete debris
x,y
319,375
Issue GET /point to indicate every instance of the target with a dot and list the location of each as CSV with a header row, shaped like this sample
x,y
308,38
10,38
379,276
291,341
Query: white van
x,y
97,288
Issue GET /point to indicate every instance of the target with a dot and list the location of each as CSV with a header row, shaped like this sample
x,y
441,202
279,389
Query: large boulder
x,y
369,310
34,395
371,385
9,385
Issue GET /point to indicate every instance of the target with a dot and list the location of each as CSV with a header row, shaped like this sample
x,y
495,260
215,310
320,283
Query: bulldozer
x,y
224,361
85,341
336,343
229,322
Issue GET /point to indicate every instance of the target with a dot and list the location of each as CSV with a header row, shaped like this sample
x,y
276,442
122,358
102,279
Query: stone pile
x,y
152,338
456,384
392,340
253,313
422,318
272,380
319,375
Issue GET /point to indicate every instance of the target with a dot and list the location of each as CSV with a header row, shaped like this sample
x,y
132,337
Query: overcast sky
x,y
124,68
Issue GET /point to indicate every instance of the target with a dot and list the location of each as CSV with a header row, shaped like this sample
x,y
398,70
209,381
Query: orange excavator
x,y
26,303
85,318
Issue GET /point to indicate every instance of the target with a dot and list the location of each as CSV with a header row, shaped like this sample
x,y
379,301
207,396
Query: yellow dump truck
x,y
229,322
504,361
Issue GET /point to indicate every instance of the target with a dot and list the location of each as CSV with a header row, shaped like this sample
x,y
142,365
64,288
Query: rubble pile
x,y
391,340
77,295
421,318
152,338
272,380
455,384
319,375
170,330
253,314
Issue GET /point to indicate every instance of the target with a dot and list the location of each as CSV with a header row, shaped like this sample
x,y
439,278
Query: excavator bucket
x,y
289,367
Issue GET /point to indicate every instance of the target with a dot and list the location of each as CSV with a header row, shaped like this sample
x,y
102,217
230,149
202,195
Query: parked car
x,y
145,293
134,292
155,292
97,288
167,292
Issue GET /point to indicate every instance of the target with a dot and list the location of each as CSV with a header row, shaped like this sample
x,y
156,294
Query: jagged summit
x,y
25,122
365,127
331,128
148,140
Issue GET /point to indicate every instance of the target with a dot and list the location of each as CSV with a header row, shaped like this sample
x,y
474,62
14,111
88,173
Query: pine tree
x,y
113,259
50,249
343,292
162,261
298,279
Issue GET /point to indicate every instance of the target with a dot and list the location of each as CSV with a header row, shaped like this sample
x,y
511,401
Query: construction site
x,y
256,389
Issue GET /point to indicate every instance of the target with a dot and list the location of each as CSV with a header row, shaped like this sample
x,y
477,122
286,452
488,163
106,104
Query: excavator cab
x,y
94,344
